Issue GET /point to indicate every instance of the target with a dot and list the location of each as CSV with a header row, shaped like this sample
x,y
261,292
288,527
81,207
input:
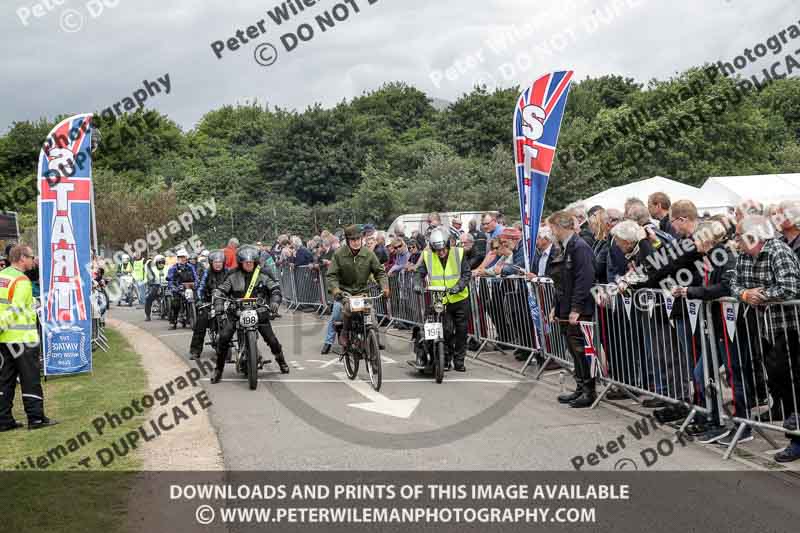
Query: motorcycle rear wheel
x,y
350,363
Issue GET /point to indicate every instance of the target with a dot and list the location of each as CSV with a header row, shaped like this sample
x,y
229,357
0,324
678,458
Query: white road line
x,y
174,334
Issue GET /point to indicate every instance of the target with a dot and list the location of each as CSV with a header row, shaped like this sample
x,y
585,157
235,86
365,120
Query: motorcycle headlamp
x,y
438,307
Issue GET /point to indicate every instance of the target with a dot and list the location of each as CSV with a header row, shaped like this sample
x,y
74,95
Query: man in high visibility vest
x,y
140,277
19,344
447,267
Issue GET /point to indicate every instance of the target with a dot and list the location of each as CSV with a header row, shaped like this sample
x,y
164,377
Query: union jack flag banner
x,y
64,203
537,122
596,365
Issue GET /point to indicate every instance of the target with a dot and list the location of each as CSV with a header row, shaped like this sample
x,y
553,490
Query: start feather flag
x,y
65,195
537,122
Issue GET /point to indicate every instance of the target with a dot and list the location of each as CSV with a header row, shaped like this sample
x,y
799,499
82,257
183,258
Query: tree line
x,y
391,151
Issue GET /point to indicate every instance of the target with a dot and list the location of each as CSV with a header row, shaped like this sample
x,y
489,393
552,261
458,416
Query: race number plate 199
x,y
433,331
249,318
356,304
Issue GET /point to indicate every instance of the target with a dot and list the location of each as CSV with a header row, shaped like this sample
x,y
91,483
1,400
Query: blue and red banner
x,y
537,122
65,218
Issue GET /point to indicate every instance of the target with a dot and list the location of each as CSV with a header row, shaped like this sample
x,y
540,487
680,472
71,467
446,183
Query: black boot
x,y
569,397
326,348
587,397
217,376
281,360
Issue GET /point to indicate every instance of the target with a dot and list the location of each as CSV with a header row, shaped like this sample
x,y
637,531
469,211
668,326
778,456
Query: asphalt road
x,y
484,419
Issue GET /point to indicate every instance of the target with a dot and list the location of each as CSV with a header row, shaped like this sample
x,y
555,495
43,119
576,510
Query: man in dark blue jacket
x,y
575,303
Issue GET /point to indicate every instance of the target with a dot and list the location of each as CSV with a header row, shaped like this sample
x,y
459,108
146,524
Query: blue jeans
x,y
336,316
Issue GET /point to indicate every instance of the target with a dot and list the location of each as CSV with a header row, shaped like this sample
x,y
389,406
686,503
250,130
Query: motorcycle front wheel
x,y
252,359
439,361
373,360
191,312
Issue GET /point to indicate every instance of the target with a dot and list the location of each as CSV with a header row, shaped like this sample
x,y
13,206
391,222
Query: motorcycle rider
x,y
125,268
350,270
210,279
448,267
139,276
181,272
248,280
156,272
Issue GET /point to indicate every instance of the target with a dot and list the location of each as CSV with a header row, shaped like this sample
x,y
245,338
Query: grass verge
x,y
64,493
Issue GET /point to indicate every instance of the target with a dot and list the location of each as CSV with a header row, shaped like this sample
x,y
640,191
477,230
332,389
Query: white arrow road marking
x,y
378,403
387,359
324,363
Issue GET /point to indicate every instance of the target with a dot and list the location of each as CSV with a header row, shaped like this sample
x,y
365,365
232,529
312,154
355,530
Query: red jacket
x,y
230,257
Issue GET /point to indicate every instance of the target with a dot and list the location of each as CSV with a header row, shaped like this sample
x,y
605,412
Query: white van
x,y
419,221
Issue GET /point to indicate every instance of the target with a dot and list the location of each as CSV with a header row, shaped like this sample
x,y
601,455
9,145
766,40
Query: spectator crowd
x,y
750,254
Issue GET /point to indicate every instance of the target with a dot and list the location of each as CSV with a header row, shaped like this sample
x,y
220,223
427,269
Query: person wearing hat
x,y
456,223
179,273
349,271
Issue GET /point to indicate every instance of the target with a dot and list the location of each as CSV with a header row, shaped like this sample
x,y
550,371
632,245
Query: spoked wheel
x,y
191,313
350,363
439,361
252,359
373,360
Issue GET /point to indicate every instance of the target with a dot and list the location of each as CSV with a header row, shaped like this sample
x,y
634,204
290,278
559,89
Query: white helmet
x,y
125,258
205,253
181,253
159,258
438,239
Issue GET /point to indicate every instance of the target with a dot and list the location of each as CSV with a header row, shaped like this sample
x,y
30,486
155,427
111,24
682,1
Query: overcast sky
x,y
75,58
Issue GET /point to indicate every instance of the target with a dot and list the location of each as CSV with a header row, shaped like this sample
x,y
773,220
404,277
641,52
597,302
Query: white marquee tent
x,y
715,196
616,196
767,188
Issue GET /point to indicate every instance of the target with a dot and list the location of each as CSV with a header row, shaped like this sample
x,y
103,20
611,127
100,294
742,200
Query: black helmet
x,y
192,256
216,255
247,253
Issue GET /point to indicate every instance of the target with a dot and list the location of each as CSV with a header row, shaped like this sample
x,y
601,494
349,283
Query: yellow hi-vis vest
x,y
138,270
17,315
448,275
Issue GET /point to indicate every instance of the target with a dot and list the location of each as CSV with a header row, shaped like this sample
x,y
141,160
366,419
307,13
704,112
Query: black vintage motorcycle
x,y
362,338
246,311
188,312
428,341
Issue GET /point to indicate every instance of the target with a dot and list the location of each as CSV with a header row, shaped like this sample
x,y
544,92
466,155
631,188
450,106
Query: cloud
x,y
48,71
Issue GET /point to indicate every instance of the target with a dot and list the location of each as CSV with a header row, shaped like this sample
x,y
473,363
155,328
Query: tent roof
x,y
766,188
616,196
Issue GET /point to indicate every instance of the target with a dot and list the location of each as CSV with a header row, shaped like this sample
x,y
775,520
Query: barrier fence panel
x,y
407,306
553,334
286,277
654,345
758,361
308,289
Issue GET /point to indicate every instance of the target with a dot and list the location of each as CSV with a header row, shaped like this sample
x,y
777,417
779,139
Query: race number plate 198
x,y
356,304
433,331
249,318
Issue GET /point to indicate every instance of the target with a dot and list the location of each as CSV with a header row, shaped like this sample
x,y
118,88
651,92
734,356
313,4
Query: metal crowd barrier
x,y
502,315
653,345
99,339
756,356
